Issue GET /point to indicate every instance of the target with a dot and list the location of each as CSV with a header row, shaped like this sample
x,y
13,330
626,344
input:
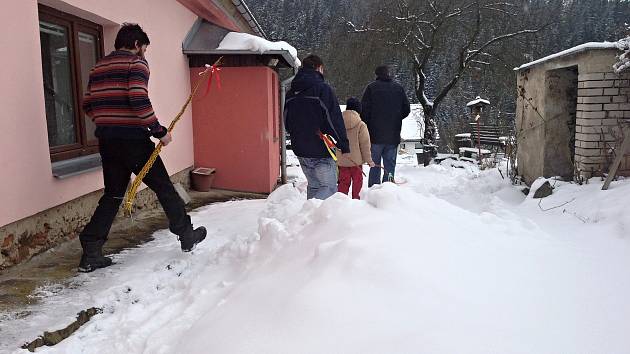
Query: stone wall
x,y
602,107
21,240
546,118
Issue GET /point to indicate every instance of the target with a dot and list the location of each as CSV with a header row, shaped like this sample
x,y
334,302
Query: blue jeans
x,y
321,174
388,153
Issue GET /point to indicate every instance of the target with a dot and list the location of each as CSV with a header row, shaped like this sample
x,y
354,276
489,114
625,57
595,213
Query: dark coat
x,y
384,105
311,107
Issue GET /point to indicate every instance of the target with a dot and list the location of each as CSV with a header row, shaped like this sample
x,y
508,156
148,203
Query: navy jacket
x,y
385,105
311,107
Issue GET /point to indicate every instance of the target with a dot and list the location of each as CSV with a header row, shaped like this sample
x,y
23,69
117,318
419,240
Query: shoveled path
x,y
56,267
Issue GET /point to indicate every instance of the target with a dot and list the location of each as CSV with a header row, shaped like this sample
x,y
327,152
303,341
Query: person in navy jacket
x,y
312,112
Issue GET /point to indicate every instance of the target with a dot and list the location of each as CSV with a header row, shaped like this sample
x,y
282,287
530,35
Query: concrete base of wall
x,y
21,240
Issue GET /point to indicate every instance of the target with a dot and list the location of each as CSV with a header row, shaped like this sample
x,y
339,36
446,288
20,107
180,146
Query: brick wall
x,y
602,105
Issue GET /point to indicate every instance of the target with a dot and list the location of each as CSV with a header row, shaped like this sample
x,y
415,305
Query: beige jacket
x,y
359,139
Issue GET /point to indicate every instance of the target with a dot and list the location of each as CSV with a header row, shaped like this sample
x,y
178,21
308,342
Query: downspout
x,y
283,140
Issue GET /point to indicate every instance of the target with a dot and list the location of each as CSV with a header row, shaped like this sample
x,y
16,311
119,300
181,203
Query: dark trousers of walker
x,y
121,157
349,175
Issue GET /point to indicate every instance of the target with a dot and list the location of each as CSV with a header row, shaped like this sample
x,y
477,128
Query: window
x,y
70,46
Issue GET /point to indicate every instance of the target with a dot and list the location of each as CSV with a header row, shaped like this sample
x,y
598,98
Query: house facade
x,y
51,178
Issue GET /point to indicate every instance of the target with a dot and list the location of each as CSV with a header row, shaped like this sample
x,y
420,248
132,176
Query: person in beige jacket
x,y
350,170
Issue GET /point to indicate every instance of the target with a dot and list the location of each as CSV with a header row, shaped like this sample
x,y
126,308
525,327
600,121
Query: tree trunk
x,y
430,128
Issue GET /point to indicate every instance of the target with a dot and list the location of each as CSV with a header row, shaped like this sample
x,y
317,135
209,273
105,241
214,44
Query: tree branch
x,y
463,60
474,53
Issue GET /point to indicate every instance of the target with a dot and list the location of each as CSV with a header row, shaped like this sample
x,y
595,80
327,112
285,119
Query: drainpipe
x,y
283,141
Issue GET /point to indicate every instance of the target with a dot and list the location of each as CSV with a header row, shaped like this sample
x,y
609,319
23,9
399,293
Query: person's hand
x,y
166,139
371,164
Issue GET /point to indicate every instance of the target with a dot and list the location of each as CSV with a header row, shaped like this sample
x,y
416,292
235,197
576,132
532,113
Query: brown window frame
x,y
74,25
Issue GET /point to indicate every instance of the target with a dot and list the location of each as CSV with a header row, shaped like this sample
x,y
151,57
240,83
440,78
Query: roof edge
x,y
571,51
244,10
288,58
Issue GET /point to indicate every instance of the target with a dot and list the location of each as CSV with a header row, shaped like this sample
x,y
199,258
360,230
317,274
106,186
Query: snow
x,y
623,60
413,124
463,135
477,101
246,41
456,260
576,49
427,100
475,150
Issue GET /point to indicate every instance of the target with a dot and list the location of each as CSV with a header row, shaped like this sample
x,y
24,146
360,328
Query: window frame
x,y
74,25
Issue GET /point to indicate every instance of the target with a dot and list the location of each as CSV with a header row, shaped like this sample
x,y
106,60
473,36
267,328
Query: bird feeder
x,y
476,108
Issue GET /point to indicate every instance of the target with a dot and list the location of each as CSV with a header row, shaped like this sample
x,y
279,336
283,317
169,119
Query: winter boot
x,y
192,238
92,258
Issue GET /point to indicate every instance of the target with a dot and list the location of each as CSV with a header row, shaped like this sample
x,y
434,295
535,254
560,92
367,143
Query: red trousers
x,y
352,174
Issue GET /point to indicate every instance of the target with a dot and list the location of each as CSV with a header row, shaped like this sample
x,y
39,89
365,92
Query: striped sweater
x,y
117,98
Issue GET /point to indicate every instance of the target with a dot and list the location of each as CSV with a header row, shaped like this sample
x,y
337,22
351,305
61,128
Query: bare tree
x,y
466,30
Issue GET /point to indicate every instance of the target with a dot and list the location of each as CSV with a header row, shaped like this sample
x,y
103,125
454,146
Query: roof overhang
x,y
230,14
204,39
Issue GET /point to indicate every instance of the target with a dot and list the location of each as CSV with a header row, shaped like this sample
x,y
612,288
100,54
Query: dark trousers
x,y
120,158
386,152
348,175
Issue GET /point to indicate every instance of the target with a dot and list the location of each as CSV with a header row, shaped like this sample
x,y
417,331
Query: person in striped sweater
x,y
117,101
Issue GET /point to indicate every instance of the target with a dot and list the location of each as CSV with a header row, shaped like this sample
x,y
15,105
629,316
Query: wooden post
x,y
615,165
477,118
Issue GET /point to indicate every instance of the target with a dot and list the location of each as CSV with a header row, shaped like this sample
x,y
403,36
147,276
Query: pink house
x,y
51,175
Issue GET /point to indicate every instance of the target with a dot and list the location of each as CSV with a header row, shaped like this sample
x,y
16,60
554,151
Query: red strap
x,y
213,70
326,140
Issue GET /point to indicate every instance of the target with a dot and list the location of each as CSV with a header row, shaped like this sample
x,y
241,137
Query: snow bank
x,y
411,272
456,260
246,41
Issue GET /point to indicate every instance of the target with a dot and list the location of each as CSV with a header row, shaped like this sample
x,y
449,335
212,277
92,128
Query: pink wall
x,y
27,185
236,129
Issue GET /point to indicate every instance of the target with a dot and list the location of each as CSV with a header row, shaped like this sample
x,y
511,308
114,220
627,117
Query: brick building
x,y
570,109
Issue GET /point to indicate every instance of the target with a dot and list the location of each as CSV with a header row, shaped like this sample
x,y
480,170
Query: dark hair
x,y
382,71
312,61
128,34
353,104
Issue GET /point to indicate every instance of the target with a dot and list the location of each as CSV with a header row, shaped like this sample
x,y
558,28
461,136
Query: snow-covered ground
x,y
455,260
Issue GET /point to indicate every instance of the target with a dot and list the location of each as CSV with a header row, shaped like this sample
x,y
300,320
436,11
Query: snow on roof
x,y
574,50
246,41
413,124
463,135
477,101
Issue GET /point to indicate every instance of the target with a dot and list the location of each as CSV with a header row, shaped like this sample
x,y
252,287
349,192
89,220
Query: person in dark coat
x,y
312,111
385,105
